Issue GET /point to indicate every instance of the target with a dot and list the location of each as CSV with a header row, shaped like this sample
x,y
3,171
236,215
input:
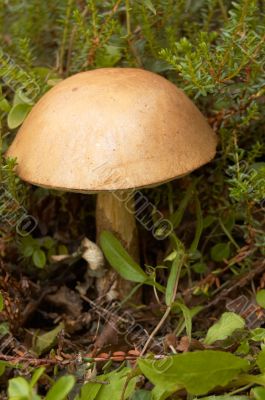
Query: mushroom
x,y
110,131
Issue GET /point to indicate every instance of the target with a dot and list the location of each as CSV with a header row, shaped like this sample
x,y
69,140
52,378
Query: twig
x,y
167,312
118,356
31,361
157,328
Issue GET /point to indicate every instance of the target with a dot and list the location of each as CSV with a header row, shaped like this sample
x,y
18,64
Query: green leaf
x,y
224,328
187,314
48,242
229,222
17,114
208,221
160,393
39,258
258,334
199,267
61,388
89,391
115,387
261,360
173,277
45,73
4,328
243,348
21,98
27,251
112,390
119,259
63,250
149,5
177,216
225,397
4,105
220,252
109,56
18,389
198,372
2,367
142,395
259,393
1,302
44,342
185,324
36,376
260,298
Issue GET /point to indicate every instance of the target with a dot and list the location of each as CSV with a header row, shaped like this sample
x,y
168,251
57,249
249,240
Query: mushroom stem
x,y
115,213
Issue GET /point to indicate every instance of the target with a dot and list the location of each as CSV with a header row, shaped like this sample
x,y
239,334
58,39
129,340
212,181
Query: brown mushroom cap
x,y
111,129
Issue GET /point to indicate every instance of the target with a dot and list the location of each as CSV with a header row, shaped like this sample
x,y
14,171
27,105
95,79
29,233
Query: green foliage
x,y
225,397
17,114
224,328
216,59
20,389
261,360
177,258
220,252
44,341
61,388
197,372
39,250
120,260
141,395
112,387
260,298
259,393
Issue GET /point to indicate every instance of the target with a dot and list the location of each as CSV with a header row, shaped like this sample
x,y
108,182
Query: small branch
x,y
31,361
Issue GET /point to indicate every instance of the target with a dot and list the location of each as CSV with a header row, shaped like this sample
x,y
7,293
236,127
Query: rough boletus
x,y
112,130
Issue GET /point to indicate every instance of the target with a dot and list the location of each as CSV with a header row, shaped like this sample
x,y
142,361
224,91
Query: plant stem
x,y
167,312
65,32
128,18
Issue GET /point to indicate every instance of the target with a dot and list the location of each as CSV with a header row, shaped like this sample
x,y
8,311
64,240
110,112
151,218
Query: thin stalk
x,y
199,226
232,240
1,148
134,290
167,312
223,9
65,33
128,18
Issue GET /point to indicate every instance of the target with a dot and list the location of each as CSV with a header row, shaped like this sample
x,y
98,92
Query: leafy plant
x,y
40,250
197,372
224,328
20,389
